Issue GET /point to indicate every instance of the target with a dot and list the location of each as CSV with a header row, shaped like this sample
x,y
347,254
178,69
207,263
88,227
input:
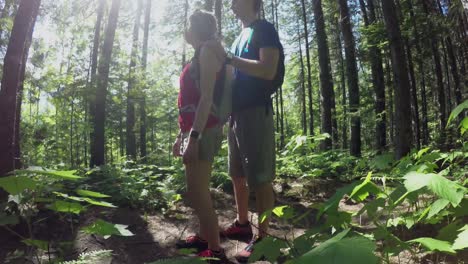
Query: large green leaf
x,y
462,240
15,185
334,201
106,229
432,244
353,250
8,219
439,185
456,112
362,191
436,207
66,175
269,247
91,194
66,207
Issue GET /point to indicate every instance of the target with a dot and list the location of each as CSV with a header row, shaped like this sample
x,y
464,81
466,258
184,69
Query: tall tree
x,y
429,9
326,79
97,156
352,77
94,65
302,83
184,45
144,61
378,80
309,75
421,68
130,121
219,17
402,85
14,66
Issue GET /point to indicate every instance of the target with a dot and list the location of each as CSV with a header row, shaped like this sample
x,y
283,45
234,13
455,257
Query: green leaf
x,y
439,185
67,175
15,185
434,244
457,111
91,194
449,232
284,212
41,244
334,201
99,203
437,206
361,192
269,247
383,162
353,250
66,207
462,240
106,229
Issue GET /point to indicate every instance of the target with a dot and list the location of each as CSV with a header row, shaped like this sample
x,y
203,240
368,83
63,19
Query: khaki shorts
x,y
251,140
209,144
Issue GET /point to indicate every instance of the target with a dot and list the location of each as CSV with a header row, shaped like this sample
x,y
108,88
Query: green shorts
x,y
251,140
209,144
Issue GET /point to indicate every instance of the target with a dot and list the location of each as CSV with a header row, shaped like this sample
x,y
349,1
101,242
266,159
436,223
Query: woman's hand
x,y
176,147
191,152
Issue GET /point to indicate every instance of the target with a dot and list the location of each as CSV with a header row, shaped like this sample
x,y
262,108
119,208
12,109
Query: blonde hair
x,y
204,25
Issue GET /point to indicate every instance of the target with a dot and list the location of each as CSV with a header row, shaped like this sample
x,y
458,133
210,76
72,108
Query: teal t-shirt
x,y
249,91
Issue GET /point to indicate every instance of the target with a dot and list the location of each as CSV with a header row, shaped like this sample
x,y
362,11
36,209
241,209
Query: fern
x,y
92,257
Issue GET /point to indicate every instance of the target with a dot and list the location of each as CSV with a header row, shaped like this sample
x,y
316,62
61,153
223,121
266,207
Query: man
x,y
255,56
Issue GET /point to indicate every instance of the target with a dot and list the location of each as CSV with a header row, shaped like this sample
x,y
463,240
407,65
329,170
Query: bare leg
x,y
241,193
198,180
265,201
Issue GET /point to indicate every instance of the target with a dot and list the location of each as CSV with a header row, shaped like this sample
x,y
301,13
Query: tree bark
x,y
14,67
131,93
303,91
352,77
401,80
326,79
218,15
144,61
94,65
98,156
309,75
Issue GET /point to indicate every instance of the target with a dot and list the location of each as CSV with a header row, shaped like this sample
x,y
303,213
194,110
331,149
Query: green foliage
x,y
434,244
106,229
98,256
180,261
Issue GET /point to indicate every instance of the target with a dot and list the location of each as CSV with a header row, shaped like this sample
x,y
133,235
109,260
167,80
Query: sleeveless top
x,y
189,97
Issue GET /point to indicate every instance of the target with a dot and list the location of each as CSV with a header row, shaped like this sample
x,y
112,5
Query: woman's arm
x,y
209,66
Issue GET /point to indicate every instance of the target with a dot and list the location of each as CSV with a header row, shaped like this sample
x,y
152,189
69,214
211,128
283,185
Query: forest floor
x,y
155,233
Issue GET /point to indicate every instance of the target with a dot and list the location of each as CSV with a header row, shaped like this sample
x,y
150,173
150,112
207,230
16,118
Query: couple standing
x,y
252,66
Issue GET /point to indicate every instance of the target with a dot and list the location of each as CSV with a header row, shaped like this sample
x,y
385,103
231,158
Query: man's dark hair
x,y
257,5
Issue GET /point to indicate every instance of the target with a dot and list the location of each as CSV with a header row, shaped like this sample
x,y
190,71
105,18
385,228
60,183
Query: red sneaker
x,y
238,232
214,257
195,242
244,255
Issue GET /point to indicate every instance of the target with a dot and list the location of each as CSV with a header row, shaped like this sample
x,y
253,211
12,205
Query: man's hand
x,y
191,152
217,48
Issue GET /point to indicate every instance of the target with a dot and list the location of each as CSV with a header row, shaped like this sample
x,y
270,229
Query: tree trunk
x,y
94,65
97,157
303,92
131,93
454,70
219,16
402,86
144,61
352,77
420,62
414,96
326,79
439,75
309,75
378,81
14,67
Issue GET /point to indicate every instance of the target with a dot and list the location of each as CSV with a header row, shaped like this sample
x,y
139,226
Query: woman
x,y
200,132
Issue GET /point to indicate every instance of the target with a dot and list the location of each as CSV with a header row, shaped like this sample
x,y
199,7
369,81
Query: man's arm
x,y
264,68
